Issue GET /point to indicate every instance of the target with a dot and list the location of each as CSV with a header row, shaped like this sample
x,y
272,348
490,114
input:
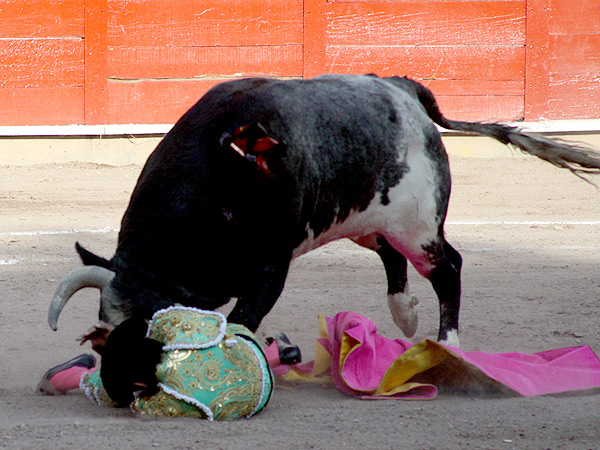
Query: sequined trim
x,y
187,399
87,390
191,345
267,377
91,385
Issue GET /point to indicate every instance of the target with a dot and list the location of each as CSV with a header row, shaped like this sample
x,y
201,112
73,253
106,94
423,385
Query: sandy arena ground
x,y
529,235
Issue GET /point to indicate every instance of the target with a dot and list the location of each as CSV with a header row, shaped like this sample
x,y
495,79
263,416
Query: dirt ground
x,y
529,235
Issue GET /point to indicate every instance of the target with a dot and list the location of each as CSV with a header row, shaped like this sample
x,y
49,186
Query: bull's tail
x,y
576,158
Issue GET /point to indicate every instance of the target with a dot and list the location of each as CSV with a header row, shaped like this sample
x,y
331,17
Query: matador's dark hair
x,y
129,357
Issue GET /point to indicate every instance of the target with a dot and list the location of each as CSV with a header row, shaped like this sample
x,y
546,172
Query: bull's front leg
x,y
263,289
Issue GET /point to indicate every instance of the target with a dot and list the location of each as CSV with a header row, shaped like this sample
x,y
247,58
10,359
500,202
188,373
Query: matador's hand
x,y
97,335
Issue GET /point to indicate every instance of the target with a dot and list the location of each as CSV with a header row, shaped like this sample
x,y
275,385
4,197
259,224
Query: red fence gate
x,y
147,61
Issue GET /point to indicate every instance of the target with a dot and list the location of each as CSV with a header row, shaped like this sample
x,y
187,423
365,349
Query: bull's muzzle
x,y
88,276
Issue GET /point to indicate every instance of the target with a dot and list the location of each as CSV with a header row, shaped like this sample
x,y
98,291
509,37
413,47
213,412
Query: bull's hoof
x,y
402,307
451,339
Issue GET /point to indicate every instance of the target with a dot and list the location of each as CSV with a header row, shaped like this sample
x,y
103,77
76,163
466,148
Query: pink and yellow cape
x,y
351,354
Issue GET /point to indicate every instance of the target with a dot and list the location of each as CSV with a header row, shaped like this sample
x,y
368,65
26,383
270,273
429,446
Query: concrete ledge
x,y
131,144
110,150
551,126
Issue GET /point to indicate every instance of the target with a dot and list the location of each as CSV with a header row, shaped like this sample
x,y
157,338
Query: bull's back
x,y
345,146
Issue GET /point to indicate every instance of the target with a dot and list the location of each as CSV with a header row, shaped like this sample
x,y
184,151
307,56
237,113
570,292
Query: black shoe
x,y
45,387
288,353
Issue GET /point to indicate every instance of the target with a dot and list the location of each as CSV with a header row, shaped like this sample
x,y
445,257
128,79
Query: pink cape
x,y
364,364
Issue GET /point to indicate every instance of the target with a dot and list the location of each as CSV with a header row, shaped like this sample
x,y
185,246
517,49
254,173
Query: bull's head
x,y
88,276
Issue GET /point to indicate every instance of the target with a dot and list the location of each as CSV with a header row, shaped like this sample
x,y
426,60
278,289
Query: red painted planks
x,y
41,63
578,53
536,61
481,57
481,107
512,88
41,18
166,100
575,17
190,41
154,101
190,62
411,1
432,23
563,59
482,63
96,57
41,106
205,23
574,96
315,43
42,55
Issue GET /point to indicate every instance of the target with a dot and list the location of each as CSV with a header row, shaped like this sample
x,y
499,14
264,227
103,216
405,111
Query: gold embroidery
x,y
211,371
227,377
163,404
185,325
176,356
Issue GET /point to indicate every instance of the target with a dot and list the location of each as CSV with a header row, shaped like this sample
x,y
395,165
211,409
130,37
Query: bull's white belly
x,y
409,221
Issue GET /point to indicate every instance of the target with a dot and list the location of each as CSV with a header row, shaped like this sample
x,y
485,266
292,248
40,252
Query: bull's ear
x,y
90,259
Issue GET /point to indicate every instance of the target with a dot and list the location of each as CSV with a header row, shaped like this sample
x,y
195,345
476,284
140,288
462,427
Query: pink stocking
x,y
272,354
68,379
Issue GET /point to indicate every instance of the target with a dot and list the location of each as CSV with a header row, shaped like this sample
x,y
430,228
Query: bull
x,y
261,171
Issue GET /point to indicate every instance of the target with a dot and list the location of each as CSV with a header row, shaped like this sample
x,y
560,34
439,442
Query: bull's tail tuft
x,y
578,159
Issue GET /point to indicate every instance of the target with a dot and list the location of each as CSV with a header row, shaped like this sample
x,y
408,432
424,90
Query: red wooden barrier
x,y
97,99
148,61
574,59
163,55
42,62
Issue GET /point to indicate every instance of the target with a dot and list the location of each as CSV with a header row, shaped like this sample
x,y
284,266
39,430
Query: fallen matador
x,y
186,362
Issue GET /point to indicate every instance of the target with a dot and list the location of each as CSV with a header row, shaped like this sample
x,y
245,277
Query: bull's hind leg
x,y
445,279
400,301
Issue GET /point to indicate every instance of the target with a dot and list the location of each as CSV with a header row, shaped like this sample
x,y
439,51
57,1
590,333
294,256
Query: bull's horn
x,y
88,276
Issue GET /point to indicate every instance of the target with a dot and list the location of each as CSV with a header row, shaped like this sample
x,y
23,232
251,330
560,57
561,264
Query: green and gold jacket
x,y
210,369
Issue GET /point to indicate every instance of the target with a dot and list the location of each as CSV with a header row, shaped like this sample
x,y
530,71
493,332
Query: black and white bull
x,y
261,171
